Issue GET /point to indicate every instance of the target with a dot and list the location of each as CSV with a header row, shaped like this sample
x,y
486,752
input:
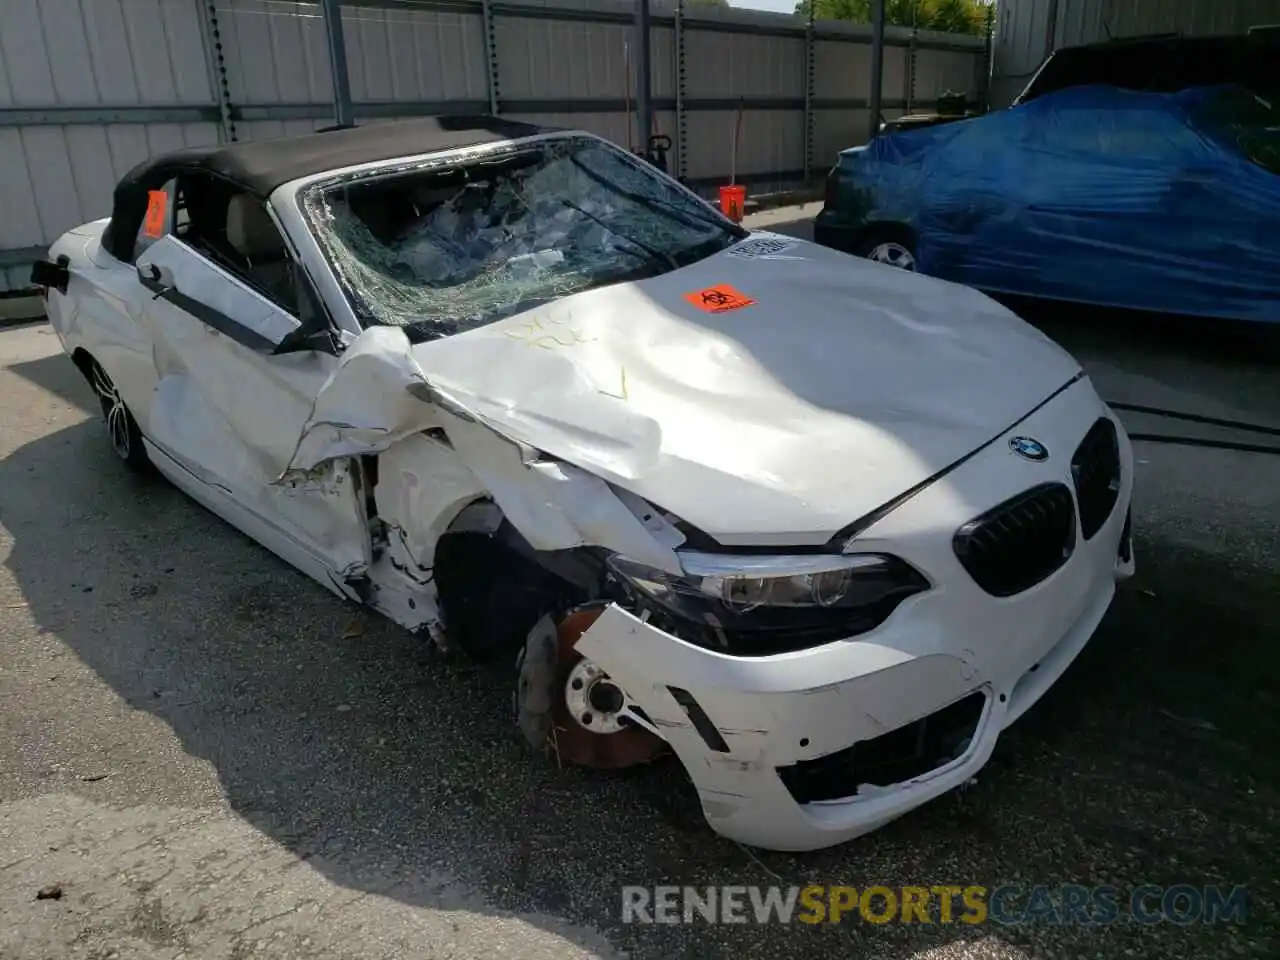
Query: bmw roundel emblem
x,y
1029,449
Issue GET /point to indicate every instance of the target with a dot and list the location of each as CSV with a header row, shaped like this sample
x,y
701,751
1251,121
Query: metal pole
x,y
877,64
644,85
809,68
912,57
988,56
491,53
1051,28
338,63
682,122
212,34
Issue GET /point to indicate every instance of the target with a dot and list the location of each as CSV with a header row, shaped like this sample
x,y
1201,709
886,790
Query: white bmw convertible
x,y
821,527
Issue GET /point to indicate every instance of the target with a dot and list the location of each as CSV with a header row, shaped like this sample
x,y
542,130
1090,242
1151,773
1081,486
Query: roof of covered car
x,y
1162,63
262,165
1180,41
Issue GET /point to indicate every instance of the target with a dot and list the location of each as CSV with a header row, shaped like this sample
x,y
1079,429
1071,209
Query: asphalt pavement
x,y
205,755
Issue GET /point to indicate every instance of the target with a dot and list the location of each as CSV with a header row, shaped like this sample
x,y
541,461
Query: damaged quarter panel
x,y
98,315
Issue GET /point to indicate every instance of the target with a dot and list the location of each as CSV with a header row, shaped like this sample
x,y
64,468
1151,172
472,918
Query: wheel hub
x,y
589,724
594,701
893,254
605,697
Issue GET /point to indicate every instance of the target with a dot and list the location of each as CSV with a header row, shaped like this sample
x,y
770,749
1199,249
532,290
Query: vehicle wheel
x,y
122,429
893,249
568,705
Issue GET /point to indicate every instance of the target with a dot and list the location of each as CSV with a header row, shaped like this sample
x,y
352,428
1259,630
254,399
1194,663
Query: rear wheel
x,y
894,248
122,429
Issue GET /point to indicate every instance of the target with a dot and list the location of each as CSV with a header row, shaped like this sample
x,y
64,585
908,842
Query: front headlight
x,y
760,605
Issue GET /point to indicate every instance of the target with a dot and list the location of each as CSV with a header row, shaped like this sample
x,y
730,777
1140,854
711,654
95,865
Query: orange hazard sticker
x,y
157,206
719,299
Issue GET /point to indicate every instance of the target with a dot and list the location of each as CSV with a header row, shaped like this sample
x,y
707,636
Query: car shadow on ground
x,y
343,739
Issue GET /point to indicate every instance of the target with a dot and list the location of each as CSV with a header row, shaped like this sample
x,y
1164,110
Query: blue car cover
x,y
1166,202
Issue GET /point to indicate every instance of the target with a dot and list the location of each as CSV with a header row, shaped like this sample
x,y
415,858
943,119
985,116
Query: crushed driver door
x,y
228,409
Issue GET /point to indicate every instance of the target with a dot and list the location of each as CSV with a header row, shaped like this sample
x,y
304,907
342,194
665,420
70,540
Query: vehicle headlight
x,y
760,605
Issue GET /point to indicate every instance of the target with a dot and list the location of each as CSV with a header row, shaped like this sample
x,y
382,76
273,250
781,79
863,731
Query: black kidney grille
x,y
1095,468
1015,545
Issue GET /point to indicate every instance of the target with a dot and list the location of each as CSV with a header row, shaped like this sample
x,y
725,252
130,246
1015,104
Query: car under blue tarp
x,y
1165,202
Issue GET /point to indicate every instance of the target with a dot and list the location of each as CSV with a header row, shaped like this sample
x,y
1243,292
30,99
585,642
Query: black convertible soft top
x,y
260,166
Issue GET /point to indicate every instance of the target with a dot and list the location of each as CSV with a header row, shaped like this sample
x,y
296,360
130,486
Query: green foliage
x,y
947,16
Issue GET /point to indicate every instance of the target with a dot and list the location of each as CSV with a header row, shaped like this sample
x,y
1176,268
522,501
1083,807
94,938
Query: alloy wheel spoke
x,y
102,384
118,426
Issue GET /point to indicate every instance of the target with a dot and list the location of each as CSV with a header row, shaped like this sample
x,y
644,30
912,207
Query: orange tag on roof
x,y
719,299
157,206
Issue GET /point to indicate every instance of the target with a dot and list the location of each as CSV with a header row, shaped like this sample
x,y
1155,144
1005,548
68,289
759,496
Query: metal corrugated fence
x,y
1024,35
88,88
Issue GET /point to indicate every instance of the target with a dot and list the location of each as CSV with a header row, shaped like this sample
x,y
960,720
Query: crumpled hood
x,y
844,384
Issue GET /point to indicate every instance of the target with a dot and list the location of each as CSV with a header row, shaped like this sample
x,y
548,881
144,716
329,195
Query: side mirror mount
x,y
156,278
314,331
302,339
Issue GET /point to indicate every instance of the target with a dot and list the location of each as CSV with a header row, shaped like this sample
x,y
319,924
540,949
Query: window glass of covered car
x,y
1240,120
446,247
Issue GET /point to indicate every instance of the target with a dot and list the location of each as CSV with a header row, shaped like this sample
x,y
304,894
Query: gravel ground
x,y
209,756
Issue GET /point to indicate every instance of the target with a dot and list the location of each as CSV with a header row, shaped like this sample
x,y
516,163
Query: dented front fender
x,y
379,395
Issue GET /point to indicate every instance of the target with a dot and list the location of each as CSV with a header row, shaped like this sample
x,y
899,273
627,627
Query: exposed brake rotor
x,y
589,726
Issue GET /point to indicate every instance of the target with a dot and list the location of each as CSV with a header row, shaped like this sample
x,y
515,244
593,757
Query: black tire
x,y
891,245
122,429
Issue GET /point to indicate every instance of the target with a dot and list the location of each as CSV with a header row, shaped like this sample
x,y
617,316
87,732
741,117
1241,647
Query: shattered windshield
x,y
441,249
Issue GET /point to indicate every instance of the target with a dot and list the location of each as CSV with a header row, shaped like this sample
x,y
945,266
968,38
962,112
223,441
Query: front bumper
x,y
801,711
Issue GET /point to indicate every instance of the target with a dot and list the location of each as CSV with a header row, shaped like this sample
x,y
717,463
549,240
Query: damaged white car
x,y
821,527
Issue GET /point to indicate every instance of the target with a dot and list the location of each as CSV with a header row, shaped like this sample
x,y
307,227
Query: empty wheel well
x,y
84,362
493,586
